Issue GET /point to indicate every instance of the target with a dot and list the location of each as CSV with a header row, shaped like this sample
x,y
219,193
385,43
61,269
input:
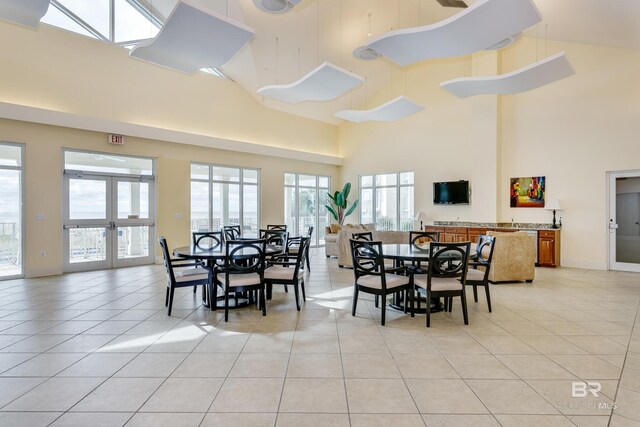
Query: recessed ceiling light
x,y
365,53
275,6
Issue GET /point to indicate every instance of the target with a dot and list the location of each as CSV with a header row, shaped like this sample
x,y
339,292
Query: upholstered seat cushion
x,y
278,272
190,274
438,283
240,279
375,282
475,275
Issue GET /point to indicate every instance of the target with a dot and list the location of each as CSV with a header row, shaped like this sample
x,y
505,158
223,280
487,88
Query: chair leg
x,y
263,301
463,297
269,290
285,289
383,309
405,301
304,297
377,301
226,305
450,304
213,296
194,289
166,297
475,292
296,291
355,300
486,289
412,296
306,257
428,310
170,300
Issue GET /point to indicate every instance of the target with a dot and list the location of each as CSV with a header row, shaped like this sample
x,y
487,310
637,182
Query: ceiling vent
x,y
365,53
275,6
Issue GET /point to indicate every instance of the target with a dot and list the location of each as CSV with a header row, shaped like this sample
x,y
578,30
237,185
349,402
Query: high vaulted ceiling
x,y
289,45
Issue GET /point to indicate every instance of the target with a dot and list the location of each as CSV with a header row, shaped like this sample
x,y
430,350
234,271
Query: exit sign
x,y
116,139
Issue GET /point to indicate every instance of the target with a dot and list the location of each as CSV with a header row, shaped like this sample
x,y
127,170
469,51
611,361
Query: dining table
x,y
215,256
417,255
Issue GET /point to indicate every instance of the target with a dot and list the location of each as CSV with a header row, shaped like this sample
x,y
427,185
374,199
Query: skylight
x,y
122,22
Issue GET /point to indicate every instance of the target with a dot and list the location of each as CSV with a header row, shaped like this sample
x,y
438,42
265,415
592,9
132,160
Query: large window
x,y
11,176
304,200
387,200
223,195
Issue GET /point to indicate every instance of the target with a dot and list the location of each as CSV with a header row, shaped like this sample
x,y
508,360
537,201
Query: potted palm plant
x,y
339,203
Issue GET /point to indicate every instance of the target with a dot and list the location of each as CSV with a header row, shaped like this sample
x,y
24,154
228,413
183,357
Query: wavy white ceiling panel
x,y
532,76
391,111
194,37
323,83
25,12
480,26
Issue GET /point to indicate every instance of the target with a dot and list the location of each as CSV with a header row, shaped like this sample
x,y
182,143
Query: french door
x,y
108,221
624,221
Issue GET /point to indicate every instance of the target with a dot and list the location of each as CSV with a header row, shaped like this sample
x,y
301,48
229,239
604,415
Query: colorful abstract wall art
x,y
527,192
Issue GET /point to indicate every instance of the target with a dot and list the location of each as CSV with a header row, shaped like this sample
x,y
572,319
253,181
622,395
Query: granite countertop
x,y
504,225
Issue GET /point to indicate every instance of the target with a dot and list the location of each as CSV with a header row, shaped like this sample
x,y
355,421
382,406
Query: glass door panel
x,y
88,245
133,200
10,223
132,226
307,208
133,242
87,198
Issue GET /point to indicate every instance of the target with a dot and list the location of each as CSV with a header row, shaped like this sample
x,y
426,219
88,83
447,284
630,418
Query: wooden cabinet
x,y
475,232
548,240
456,234
549,248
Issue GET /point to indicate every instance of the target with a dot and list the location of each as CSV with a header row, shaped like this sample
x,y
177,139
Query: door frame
x,y
612,264
110,224
23,211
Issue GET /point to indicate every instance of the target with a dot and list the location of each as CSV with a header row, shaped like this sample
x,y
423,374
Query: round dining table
x,y
214,255
402,253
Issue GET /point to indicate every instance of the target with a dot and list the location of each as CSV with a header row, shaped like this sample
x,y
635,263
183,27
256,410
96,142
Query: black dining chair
x,y
478,272
278,227
446,275
293,246
208,239
371,275
288,270
231,232
275,237
243,271
182,273
419,238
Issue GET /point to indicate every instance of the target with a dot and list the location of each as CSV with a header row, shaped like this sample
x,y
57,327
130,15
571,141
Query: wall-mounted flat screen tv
x,y
451,193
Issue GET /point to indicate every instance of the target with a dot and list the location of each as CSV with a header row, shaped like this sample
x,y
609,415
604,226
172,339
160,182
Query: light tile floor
x,y
99,349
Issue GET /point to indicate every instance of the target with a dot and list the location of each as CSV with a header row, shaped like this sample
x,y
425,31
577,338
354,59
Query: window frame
x,y
374,187
241,184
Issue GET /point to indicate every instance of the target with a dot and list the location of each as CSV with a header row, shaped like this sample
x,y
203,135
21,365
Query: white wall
x,y
572,131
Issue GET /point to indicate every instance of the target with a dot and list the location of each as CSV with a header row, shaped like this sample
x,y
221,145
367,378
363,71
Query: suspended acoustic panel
x,y
275,6
391,111
194,37
324,83
481,25
24,12
532,76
